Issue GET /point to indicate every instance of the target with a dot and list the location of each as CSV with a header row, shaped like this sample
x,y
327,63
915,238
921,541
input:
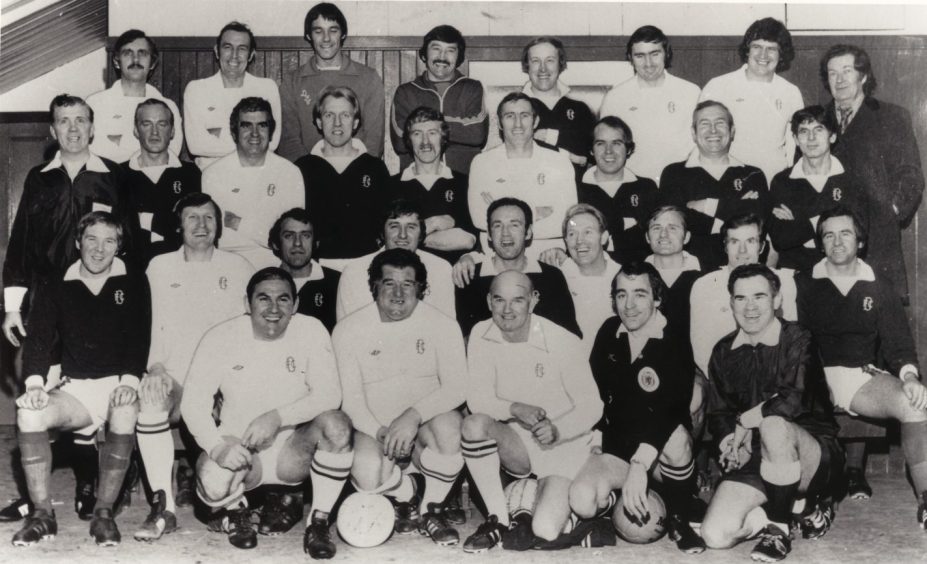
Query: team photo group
x,y
618,322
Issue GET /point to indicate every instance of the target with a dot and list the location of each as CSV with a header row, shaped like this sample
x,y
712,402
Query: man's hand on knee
x,y
156,386
400,436
231,456
915,391
34,398
527,415
545,432
123,395
261,432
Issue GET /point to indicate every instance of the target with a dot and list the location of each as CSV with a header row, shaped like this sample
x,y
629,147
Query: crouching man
x,y
768,405
277,375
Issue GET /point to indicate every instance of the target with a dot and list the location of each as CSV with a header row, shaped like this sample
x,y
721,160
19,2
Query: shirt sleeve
x,y
39,347
273,96
470,127
352,385
795,358
452,373
17,271
721,414
903,162
373,108
583,391
203,381
894,334
323,389
481,396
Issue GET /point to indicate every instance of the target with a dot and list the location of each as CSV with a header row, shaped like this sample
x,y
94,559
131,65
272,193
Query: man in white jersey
x,y
279,419
207,102
761,101
135,56
192,289
403,228
534,403
404,375
520,168
654,103
252,185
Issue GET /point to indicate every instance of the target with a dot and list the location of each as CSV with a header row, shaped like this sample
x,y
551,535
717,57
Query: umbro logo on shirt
x,y
375,352
236,190
500,181
211,109
175,285
117,116
238,367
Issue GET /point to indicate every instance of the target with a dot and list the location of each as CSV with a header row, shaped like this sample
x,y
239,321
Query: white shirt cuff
x,y
716,226
130,380
35,380
907,368
13,298
712,207
645,454
751,418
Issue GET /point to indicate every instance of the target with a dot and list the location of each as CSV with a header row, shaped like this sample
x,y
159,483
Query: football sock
x,y
679,486
441,471
482,458
780,479
156,446
37,460
115,456
914,444
328,473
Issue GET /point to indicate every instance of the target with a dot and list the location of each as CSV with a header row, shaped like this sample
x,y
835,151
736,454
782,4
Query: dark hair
x,y
650,34
241,28
154,102
106,218
769,29
342,92
445,34
66,101
861,63
814,113
751,270
641,268
195,200
270,273
130,36
740,220
251,104
557,44
713,104
273,237
509,201
514,97
669,208
397,258
616,122
422,114
840,210
400,207
327,11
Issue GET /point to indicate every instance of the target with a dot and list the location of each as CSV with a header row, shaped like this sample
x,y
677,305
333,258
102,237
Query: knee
x,y
122,418
716,535
583,500
446,429
678,449
367,469
774,434
337,429
907,413
546,528
31,420
212,481
476,427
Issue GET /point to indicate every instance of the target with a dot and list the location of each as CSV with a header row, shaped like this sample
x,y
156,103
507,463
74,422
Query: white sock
x,y
440,471
404,490
482,458
328,473
156,446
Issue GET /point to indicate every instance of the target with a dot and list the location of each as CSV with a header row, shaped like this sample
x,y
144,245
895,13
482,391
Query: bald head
x,y
511,300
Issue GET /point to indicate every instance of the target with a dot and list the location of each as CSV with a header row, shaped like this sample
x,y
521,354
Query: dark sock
x,y
779,500
679,485
85,460
37,460
914,444
115,456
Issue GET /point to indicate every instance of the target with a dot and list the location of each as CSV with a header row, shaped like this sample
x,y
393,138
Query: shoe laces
x,y
490,527
239,519
434,522
318,530
774,537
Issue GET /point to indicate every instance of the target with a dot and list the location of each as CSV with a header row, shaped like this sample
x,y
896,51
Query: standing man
x,y
712,183
134,57
444,89
817,183
253,186
192,289
534,403
655,104
877,144
439,191
293,241
858,322
207,102
325,28
761,101
96,318
771,416
404,375
157,180
280,422
346,187
403,228
520,168
564,124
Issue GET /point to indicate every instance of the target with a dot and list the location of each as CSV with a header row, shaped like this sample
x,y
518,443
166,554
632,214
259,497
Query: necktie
x,y
845,114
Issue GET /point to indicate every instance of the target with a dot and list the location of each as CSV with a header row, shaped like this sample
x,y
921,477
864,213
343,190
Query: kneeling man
x,y
279,424
769,407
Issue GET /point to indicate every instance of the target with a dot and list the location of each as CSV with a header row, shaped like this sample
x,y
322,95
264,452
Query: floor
x,y
879,530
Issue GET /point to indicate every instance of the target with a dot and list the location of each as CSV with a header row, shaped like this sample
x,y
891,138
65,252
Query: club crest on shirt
x,y
635,200
837,194
318,300
306,97
647,379
290,364
271,189
449,196
539,370
365,181
867,303
738,184
178,187
570,114
671,107
223,282
420,346
778,103
119,297
541,179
